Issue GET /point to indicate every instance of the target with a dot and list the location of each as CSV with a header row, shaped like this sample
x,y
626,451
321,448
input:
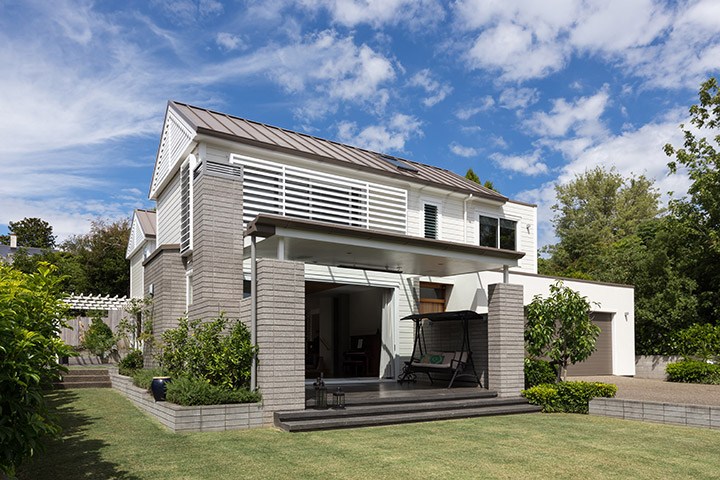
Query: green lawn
x,y
107,437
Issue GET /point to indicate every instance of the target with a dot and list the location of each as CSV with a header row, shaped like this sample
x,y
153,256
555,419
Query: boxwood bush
x,y
538,372
568,397
693,371
196,391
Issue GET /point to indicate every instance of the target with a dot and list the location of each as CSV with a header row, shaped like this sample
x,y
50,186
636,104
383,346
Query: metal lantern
x,y
320,393
339,399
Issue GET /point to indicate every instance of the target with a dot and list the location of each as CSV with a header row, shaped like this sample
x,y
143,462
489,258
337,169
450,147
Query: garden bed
x,y
208,418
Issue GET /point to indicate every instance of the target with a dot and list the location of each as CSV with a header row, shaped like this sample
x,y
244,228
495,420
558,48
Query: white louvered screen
x,y
273,188
185,212
431,220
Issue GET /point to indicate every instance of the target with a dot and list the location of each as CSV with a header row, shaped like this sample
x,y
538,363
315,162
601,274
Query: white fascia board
x,y
171,114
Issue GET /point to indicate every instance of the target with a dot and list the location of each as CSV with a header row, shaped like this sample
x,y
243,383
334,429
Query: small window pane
x,y
507,234
488,232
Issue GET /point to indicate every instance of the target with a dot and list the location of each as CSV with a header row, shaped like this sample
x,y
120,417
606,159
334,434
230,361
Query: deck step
x,y
353,417
84,378
413,397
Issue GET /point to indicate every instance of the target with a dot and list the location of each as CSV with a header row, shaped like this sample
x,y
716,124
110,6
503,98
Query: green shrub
x,y
131,362
694,371
698,341
143,378
99,338
30,311
196,391
538,372
568,397
204,350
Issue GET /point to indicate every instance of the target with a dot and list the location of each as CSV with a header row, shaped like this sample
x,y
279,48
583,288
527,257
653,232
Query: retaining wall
x,y
653,366
208,418
702,416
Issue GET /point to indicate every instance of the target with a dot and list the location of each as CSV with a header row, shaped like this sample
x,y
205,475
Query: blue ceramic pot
x,y
159,387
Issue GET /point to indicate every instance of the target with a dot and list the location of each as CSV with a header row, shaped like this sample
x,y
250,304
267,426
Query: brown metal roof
x,y
147,222
253,133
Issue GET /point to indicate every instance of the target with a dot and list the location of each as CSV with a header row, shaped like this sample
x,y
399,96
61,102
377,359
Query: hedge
x,y
693,371
568,397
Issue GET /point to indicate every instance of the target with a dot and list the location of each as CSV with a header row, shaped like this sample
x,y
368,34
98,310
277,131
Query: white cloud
x,y
377,13
484,104
437,91
525,164
185,12
581,116
518,98
463,151
389,137
228,41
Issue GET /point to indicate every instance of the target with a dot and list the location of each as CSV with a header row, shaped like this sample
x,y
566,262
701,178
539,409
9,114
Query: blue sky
x,y
526,93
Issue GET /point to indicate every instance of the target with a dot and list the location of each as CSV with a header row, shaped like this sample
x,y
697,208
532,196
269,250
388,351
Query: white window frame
x,y
438,219
189,294
191,163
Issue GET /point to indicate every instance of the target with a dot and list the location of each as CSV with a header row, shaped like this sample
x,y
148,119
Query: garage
x,y
600,362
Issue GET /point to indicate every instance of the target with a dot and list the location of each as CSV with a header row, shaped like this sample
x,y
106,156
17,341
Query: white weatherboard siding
x,y
169,213
136,275
470,292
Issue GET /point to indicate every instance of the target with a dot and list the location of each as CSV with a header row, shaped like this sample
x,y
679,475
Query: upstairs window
x,y
430,221
498,233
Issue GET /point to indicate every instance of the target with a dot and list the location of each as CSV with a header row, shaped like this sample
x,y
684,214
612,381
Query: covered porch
x,y
279,249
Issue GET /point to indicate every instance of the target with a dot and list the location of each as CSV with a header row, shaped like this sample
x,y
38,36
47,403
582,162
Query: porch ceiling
x,y
337,245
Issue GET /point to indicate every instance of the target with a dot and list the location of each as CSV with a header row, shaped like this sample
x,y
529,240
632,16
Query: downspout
x,y
253,312
465,217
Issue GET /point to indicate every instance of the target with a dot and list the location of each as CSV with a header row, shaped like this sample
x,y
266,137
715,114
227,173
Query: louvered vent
x,y
431,221
185,227
223,169
273,188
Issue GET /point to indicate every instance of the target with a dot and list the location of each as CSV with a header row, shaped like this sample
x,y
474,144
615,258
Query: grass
x,y
106,437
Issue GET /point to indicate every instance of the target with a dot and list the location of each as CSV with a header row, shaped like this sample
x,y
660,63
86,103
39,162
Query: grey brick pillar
x,y
217,241
505,338
281,335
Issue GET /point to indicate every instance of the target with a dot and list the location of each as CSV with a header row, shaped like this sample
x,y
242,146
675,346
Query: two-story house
x,y
321,248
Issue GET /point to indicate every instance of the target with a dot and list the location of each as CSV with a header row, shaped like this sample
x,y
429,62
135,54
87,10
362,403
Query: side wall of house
x,y
136,275
168,213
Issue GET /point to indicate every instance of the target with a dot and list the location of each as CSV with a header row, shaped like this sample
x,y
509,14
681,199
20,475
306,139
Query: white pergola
x,y
96,302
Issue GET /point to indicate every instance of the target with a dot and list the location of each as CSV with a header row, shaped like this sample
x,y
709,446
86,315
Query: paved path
x,y
659,391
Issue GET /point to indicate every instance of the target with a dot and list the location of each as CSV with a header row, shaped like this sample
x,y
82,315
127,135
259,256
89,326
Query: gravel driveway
x,y
659,391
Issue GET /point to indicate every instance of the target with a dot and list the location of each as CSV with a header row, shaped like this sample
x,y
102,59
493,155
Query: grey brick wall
x,y
702,416
505,336
165,270
280,335
217,244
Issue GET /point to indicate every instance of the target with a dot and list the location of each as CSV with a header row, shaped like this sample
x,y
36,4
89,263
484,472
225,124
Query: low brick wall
x,y
702,416
210,418
653,366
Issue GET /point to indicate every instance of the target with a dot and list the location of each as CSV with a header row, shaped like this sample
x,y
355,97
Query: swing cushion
x,y
440,360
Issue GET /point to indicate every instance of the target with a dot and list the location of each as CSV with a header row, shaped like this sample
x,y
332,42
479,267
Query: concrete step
x,y
66,385
352,399
85,378
353,421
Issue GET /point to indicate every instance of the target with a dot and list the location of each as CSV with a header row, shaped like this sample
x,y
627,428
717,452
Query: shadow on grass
x,y
73,455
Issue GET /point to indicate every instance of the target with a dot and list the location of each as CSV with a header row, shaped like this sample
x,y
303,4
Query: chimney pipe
x,y
13,240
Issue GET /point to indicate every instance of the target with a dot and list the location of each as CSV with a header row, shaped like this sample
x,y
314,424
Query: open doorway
x,y
348,333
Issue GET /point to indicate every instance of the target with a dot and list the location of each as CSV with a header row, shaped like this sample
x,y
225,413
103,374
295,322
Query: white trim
x,y
497,231
189,294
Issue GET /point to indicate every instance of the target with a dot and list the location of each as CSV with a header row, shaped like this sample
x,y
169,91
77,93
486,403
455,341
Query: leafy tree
x,y
697,218
99,338
101,252
30,306
595,210
472,176
70,270
559,327
31,232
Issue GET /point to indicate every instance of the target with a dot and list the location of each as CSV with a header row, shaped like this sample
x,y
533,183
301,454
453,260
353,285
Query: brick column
x,y
217,242
281,335
506,344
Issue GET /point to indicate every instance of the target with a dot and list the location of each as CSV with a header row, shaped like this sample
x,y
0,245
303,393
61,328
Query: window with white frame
x,y
431,220
186,204
498,233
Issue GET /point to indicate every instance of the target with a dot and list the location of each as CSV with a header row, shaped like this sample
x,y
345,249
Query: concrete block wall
x,y
164,269
702,416
505,336
217,243
207,418
653,366
281,335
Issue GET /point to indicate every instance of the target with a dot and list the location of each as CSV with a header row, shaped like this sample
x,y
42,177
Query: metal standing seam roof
x,y
254,133
147,222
